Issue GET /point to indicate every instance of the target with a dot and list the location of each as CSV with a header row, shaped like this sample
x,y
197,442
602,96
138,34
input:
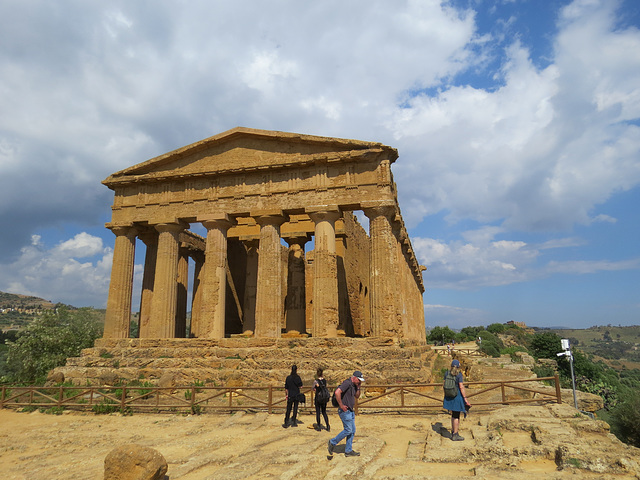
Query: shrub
x,y
625,418
48,341
545,345
491,344
496,328
512,351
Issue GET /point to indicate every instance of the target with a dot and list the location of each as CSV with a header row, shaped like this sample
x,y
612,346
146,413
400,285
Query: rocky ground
x,y
517,442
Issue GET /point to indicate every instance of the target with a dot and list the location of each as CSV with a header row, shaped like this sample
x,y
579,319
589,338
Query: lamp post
x,y
567,352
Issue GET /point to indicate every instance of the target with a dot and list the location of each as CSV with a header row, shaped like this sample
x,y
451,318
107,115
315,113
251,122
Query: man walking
x,y
346,395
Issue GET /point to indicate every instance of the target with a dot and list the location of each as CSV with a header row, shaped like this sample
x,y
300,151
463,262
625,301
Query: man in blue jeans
x,y
346,395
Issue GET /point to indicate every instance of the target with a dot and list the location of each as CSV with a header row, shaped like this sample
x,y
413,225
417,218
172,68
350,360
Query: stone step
x,y
248,361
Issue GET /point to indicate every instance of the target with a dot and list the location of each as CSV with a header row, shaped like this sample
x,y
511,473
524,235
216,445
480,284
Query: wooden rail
x,y
201,399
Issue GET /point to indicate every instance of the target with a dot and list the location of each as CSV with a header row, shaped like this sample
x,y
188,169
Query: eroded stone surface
x,y
134,462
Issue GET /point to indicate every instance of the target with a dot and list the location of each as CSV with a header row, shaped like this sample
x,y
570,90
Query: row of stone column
x,y
163,298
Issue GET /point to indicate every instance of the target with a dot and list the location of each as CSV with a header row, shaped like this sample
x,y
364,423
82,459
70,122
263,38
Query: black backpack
x,y
450,385
322,393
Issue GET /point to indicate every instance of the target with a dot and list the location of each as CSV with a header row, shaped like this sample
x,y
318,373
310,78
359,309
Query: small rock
x,y
134,462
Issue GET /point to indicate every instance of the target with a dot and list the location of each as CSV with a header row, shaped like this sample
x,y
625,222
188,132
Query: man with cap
x,y
346,395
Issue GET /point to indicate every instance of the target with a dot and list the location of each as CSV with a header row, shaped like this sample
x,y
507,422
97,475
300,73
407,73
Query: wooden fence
x,y
208,399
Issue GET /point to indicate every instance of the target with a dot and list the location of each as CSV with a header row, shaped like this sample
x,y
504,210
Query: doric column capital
x,y
169,227
375,209
217,220
269,217
323,213
126,230
296,240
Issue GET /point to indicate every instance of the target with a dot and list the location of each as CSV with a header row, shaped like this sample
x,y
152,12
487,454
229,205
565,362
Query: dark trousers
x,y
322,408
291,402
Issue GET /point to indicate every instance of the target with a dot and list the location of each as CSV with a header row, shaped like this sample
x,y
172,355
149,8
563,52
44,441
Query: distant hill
x,y
15,300
618,346
17,310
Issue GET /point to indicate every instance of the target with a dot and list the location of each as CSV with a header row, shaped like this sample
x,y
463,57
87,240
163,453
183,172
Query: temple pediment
x,y
245,150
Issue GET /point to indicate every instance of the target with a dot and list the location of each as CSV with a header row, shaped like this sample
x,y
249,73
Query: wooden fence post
x,y
558,392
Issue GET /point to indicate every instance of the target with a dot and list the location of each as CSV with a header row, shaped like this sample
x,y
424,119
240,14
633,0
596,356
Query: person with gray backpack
x,y
455,398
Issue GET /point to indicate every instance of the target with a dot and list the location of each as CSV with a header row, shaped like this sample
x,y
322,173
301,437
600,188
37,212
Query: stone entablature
x,y
251,189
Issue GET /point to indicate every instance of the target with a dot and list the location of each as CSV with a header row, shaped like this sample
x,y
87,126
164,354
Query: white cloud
x,y
541,151
56,274
488,263
455,317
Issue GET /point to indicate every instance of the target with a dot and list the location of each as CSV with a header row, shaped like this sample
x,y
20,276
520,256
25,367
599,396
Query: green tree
x,y
496,328
491,344
545,345
48,341
438,334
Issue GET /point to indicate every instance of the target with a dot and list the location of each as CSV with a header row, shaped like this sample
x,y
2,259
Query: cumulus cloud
x,y
540,152
461,265
90,88
59,274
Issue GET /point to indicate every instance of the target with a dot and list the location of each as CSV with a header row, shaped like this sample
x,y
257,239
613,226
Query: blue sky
x,y
517,123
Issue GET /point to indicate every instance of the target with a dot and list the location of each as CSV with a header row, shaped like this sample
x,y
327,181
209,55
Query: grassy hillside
x,y
619,347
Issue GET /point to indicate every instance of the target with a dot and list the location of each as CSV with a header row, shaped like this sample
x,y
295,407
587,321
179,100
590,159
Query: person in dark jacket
x,y
320,383
292,389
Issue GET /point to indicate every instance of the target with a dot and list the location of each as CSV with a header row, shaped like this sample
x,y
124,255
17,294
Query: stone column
x,y
382,292
183,287
214,277
250,288
295,300
269,305
196,299
118,317
150,239
325,273
165,289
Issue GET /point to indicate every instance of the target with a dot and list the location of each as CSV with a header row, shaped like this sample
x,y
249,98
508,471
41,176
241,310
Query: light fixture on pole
x,y
567,353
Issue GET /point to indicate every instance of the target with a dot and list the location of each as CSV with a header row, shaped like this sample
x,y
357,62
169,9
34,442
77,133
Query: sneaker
x,y
456,437
352,453
330,447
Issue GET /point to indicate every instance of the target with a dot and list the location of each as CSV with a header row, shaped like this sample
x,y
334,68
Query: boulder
x,y
54,378
134,462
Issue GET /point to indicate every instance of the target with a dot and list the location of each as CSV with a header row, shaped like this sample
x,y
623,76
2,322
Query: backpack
x,y
334,400
450,385
322,393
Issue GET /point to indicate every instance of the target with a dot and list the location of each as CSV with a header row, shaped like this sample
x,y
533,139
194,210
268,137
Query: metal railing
x,y
203,399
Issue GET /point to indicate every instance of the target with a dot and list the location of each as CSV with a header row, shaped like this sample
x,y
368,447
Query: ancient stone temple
x,y
262,198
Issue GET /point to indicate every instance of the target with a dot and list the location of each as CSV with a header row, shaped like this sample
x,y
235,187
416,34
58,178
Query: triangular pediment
x,y
246,149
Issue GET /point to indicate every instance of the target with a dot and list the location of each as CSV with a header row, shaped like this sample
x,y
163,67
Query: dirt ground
x,y
35,446
499,443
